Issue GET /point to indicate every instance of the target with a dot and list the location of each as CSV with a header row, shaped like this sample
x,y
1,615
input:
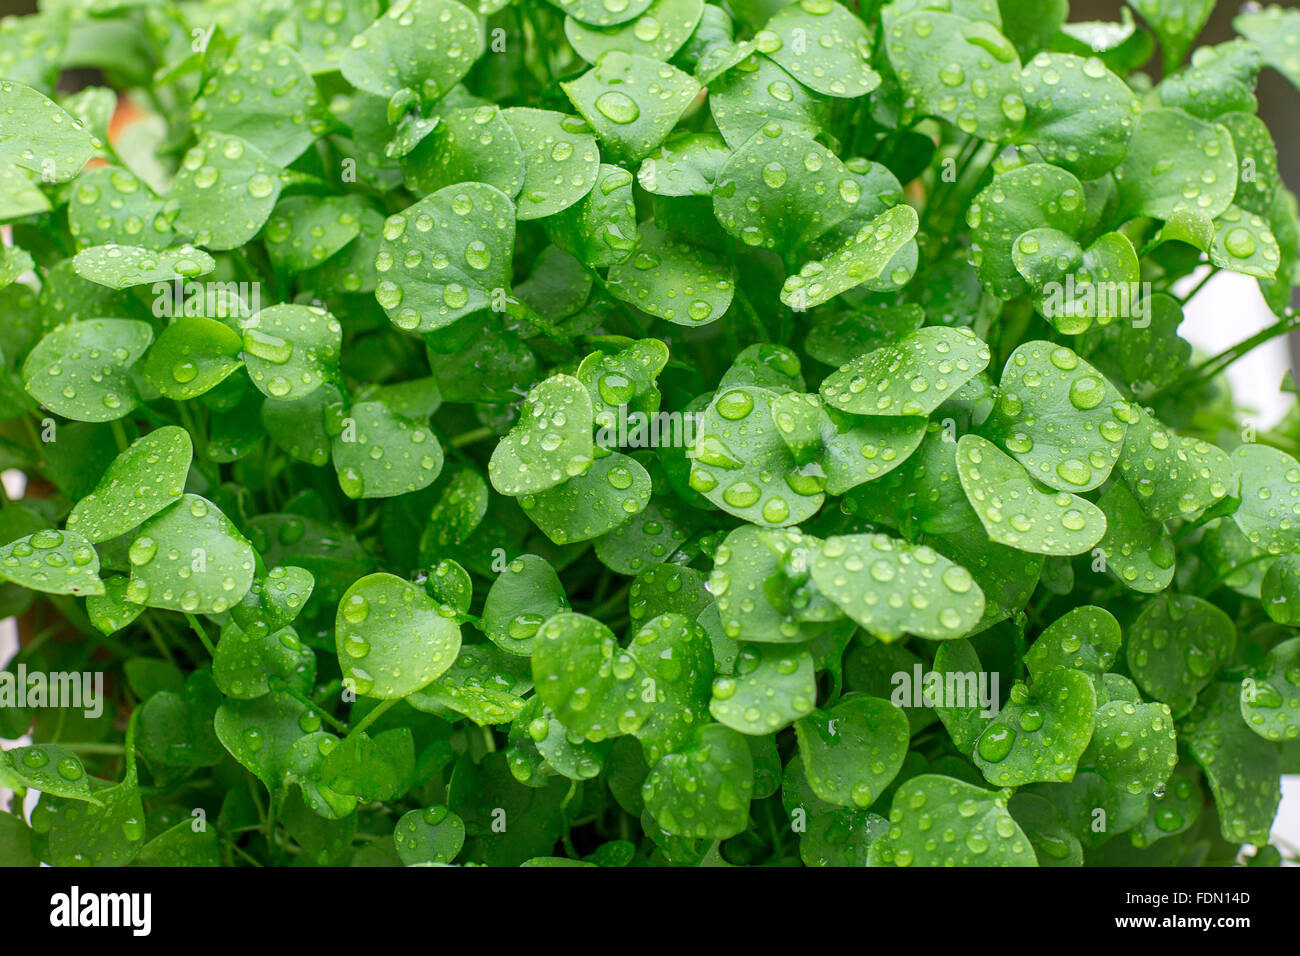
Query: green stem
x,y
95,748
1215,365
1199,286
203,635
119,434
157,639
371,717
316,709
470,437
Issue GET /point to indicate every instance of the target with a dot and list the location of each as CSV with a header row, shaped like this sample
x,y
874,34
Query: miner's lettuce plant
x,y
641,432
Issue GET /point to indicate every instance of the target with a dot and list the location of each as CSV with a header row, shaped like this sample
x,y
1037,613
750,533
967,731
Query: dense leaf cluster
x,y
642,431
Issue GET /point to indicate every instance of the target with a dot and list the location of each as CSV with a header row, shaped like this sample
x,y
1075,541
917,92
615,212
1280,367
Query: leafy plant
x,y
642,432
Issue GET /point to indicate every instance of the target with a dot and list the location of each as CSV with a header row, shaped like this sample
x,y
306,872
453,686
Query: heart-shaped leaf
x,y
1134,746
853,750
1176,159
550,443
1040,733
605,496
224,191
1268,514
963,712
82,371
380,454
391,638
632,101
304,231
526,595
431,835
291,350
703,791
1176,645
867,575
470,144
675,660
772,687
141,481
251,663
756,92
1084,639
1015,512
191,357
984,832
1175,22
38,136
587,679
112,205
561,160
687,164
446,256
658,33
823,46
422,45
260,733
1173,476
189,557
600,229
671,279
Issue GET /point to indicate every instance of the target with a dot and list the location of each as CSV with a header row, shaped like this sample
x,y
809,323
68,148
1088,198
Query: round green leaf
x,y
446,256
1134,746
1242,768
1269,515
82,370
1139,553
1084,639
260,733
892,588
1041,732
1176,645
757,92
1173,476
189,557
263,94
431,835
380,454
1171,810
703,791
550,443
1243,242
1015,512
984,832
591,683
112,205
275,598
601,228
772,687
671,279
864,258
782,190
823,46
1079,115
658,33
1176,159
1270,700
675,660
687,164
141,481
541,747
224,191
526,595
760,585
111,611
120,267
391,638
601,499
291,350
470,144
631,101
912,377
1060,417
191,357
852,751
304,231
422,45
251,663
40,137
56,562
561,160
742,464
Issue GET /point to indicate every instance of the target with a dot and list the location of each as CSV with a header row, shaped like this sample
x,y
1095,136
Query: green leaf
x,y
107,833
431,835
866,575
671,279
551,442
703,791
426,46
632,101
141,481
687,164
984,832
54,770
182,845
1079,115
469,144
1054,844
111,611
963,713
304,231
853,750
224,191
445,256
561,160
840,838
600,229
56,562
263,94
190,557
1015,512
1171,810
759,580
1138,552
1085,639
1176,24
913,376
371,768
960,70
1060,417
380,454
1134,746
176,727
1175,647
590,682
526,595
1242,768
772,687
782,190
823,46
1243,242
1016,201
82,370
1259,179
1270,700
275,599
251,663
1174,159
589,505
1220,80
658,33
484,684
862,259
1270,481
602,13
40,137
675,661
1040,733
757,92
391,638
1173,476
191,357
742,464
1280,590
112,205
1274,30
